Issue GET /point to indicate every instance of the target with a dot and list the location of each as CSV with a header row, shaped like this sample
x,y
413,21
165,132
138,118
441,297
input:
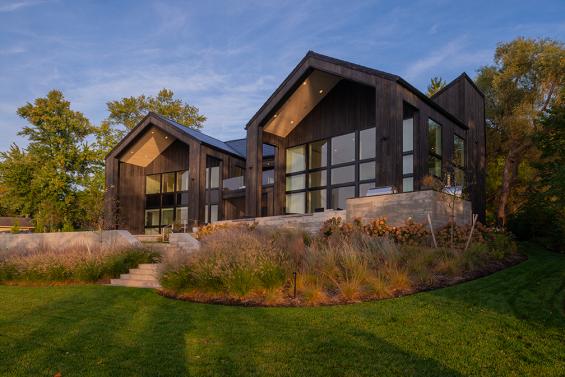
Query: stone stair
x,y
144,276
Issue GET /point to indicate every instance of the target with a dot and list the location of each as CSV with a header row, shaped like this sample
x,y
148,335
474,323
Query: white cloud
x,y
15,5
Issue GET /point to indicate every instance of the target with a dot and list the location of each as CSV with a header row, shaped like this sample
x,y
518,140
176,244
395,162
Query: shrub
x,y
73,264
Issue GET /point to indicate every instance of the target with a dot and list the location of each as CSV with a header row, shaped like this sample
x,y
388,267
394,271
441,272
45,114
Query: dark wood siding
x,y
131,196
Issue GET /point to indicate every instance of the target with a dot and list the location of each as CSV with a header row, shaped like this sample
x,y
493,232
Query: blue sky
x,y
227,57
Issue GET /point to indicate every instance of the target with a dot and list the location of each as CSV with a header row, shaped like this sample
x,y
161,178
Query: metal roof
x,y
240,145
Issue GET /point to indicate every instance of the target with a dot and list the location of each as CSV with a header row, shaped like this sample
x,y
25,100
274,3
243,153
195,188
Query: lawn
x,y
509,323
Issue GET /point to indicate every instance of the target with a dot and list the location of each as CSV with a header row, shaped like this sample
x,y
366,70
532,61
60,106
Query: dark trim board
x,y
362,98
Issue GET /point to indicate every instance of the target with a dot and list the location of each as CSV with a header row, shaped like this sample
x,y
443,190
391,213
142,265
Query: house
x,y
23,224
331,131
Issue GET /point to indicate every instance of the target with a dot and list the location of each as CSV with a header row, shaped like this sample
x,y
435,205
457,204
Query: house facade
x,y
331,131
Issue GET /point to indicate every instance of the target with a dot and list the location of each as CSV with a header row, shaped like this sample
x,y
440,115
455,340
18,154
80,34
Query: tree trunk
x,y
513,160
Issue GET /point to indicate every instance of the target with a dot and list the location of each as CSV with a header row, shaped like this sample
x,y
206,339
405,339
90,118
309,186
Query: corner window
x,y
296,159
318,154
458,160
408,148
367,143
434,148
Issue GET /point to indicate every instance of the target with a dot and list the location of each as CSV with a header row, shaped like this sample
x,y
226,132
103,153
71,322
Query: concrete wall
x,y
66,240
396,208
310,222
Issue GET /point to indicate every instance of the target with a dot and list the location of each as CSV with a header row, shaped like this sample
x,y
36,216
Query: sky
x,y
226,58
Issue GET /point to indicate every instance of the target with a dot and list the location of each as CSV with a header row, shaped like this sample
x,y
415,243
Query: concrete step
x,y
144,277
149,237
148,267
135,283
138,272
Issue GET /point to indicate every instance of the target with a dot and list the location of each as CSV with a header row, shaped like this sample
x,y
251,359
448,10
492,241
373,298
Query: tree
x,y
525,80
436,84
45,179
130,110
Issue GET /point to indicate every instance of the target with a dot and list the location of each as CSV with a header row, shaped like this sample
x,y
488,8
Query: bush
x,y
76,264
343,263
541,223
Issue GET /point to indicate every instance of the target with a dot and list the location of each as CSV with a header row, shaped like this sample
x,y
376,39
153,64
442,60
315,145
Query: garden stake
x,y
432,230
294,275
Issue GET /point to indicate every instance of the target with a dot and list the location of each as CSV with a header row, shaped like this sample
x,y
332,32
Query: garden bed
x,y
344,263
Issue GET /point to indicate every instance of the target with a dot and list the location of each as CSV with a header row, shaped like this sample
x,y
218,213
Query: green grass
x,y
510,323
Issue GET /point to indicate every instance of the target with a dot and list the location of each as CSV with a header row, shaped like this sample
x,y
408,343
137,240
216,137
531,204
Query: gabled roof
x,y
347,70
240,145
175,129
463,76
200,136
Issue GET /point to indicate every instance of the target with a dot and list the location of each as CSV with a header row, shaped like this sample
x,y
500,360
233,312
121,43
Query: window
x,y
340,195
317,178
458,160
182,180
295,182
408,148
168,184
316,200
153,184
343,149
364,187
268,177
212,189
296,159
367,171
317,154
295,203
344,174
166,200
367,143
323,173
434,148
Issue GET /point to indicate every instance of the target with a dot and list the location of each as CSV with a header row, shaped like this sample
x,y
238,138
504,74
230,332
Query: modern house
x,y
331,131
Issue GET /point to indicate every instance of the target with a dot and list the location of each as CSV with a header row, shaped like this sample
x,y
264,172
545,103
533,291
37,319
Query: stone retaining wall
x,y
396,208
66,240
310,222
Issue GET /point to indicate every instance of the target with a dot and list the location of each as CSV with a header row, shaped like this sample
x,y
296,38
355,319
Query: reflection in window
x,y
316,200
367,171
340,195
295,182
213,213
343,149
182,180
408,184
408,134
168,182
268,177
296,159
408,148
458,151
295,203
167,216
317,178
344,174
152,217
153,184
434,137
408,164
181,216
367,143
364,187
434,166
318,154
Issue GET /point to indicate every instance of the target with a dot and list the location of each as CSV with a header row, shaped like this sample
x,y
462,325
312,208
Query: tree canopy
x,y
436,84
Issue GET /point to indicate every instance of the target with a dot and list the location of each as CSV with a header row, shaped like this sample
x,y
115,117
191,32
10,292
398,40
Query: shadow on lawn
x,y
533,291
261,343
97,332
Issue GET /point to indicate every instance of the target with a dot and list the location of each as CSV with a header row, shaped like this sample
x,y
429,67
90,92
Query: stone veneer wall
x,y
310,222
64,240
396,208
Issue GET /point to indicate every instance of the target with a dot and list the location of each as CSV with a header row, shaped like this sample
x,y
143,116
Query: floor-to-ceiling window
x,y
325,173
166,200
458,161
213,178
408,149
434,149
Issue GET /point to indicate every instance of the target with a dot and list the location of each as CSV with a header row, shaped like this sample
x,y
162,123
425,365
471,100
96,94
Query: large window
x,y
166,200
325,173
408,149
458,160
212,192
434,148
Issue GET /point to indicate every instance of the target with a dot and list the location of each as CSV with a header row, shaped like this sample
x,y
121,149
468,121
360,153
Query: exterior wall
x,y
397,208
66,240
310,222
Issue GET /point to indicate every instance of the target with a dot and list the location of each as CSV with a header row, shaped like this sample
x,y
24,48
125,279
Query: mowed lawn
x,y
510,323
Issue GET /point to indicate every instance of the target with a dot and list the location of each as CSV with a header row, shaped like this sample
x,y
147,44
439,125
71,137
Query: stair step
x,y
135,283
137,271
144,277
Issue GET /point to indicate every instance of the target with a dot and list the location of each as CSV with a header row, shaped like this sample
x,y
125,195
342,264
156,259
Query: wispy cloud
x,y
16,5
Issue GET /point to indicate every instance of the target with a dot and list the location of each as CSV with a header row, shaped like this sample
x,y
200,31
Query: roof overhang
x,y
147,147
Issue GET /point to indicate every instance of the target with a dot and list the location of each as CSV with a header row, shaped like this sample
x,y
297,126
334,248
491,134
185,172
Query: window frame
x,y
430,153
